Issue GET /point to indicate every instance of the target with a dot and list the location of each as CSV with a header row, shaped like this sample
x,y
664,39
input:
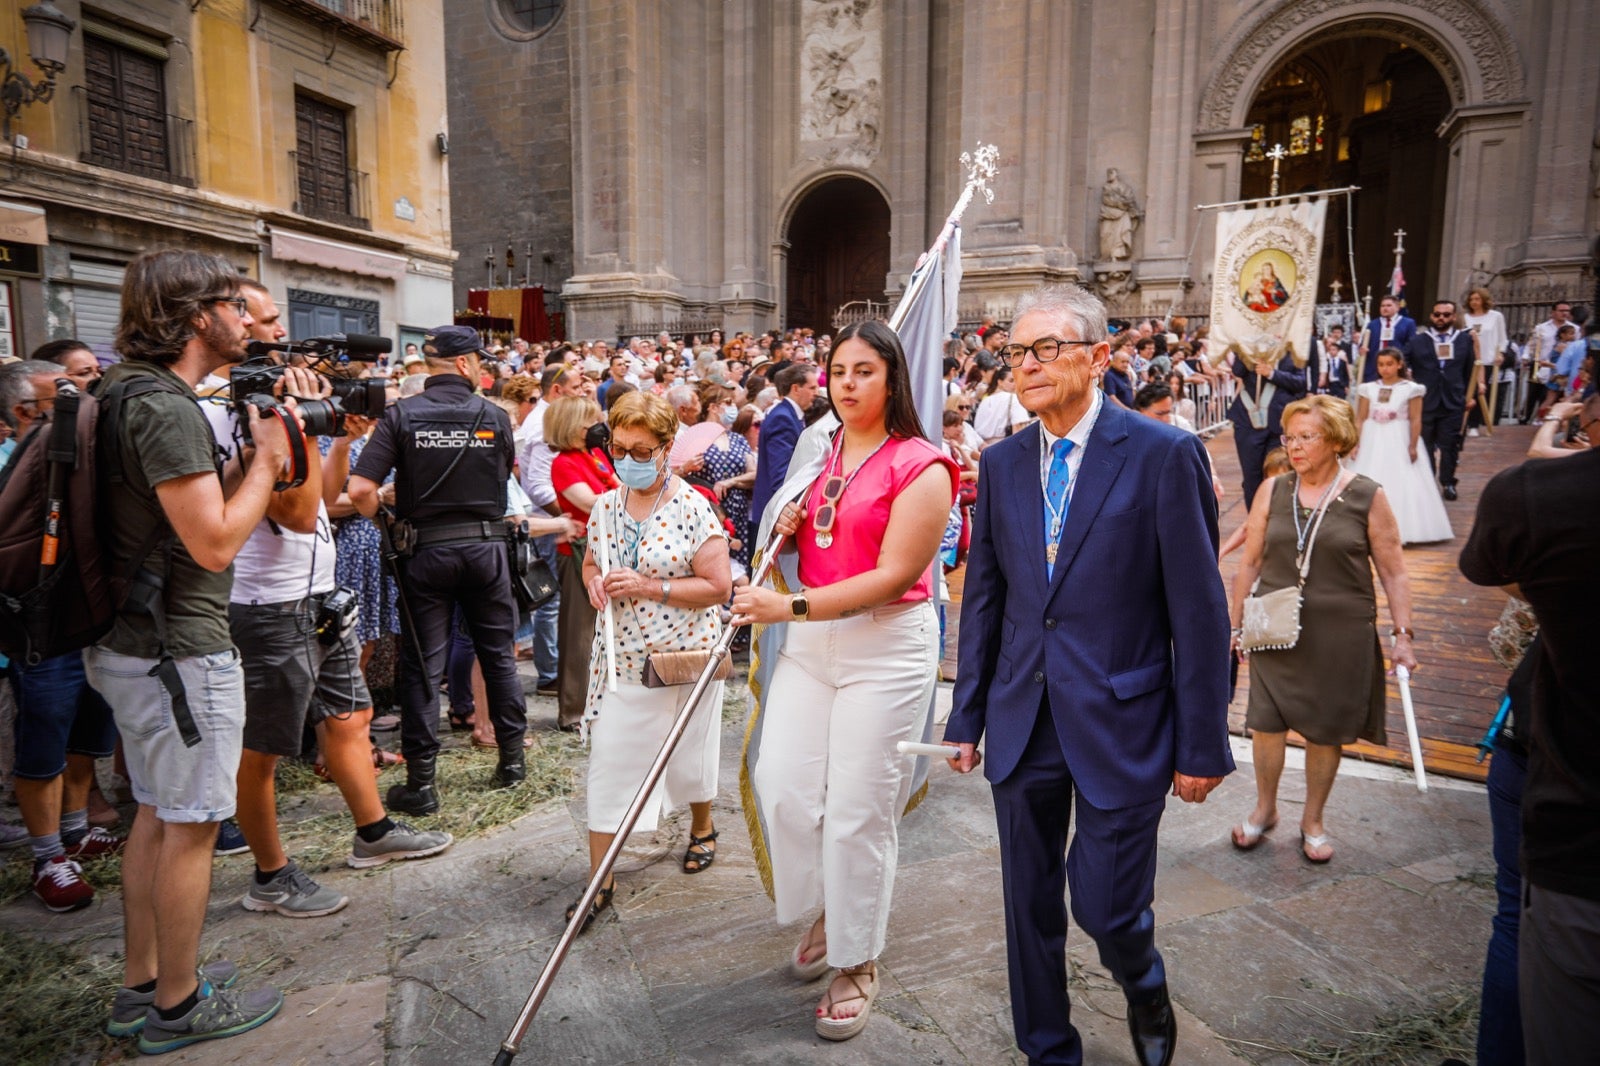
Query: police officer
x,y
452,454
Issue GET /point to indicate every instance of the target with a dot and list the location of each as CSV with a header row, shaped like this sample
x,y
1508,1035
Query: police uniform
x,y
452,453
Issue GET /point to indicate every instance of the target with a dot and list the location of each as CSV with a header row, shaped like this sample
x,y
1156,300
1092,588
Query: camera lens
x,y
320,418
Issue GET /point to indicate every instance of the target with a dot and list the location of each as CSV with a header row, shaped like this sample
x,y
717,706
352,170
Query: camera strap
x,y
299,464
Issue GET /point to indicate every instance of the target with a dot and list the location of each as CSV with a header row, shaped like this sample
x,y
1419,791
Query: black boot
x,y
512,769
417,795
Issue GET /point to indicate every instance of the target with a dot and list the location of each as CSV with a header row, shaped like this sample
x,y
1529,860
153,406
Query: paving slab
x,y
337,1023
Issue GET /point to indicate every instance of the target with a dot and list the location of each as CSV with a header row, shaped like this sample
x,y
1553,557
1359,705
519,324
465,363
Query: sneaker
x,y
294,895
385,723
229,840
218,1014
60,886
404,841
95,843
1473,432
128,1008
12,836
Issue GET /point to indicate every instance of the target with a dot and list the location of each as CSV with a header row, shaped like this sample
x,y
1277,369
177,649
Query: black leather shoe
x,y
417,795
1449,492
1154,1030
512,770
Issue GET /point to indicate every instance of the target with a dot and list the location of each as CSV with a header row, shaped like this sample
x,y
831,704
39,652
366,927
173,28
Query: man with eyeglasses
x,y
1442,358
452,452
78,364
1094,650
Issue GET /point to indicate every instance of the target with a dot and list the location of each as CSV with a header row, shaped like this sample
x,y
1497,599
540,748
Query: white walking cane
x,y
1403,676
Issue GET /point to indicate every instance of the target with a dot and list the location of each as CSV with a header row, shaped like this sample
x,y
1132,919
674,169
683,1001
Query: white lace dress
x,y
1384,457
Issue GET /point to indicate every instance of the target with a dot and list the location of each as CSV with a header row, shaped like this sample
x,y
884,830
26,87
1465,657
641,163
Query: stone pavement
x,y
431,961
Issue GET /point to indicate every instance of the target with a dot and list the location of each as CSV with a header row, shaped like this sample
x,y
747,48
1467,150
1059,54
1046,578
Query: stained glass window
x,y
1300,135
1257,152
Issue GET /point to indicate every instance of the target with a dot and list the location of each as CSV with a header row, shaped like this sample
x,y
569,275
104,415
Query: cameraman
x,y
452,452
299,663
168,666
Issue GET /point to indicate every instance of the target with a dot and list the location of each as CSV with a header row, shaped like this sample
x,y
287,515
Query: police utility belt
x,y
458,533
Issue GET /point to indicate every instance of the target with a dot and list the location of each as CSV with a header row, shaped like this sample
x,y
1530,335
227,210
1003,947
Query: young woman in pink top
x,y
856,674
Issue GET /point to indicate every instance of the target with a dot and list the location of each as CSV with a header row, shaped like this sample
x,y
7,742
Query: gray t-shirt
x,y
164,437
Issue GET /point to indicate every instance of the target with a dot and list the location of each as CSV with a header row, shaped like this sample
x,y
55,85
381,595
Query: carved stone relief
x,y
1490,49
841,80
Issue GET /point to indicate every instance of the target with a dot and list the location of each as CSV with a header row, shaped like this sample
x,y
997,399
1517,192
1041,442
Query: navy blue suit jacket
x,y
1291,386
1404,329
1130,637
779,432
1446,382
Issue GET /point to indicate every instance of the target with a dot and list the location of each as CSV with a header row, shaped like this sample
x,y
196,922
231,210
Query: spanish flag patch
x,y
484,434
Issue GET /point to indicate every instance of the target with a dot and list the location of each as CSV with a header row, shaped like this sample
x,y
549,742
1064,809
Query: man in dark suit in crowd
x,y
1390,329
797,387
1442,358
1334,360
1094,651
1536,531
1257,412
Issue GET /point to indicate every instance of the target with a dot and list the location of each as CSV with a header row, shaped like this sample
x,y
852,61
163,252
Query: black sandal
x,y
703,858
460,723
601,902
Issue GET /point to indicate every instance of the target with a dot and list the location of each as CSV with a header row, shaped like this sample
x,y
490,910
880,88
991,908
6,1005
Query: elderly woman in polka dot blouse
x,y
669,576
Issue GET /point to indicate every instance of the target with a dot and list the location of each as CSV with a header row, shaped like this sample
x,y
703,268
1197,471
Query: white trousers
x,y
829,782
625,739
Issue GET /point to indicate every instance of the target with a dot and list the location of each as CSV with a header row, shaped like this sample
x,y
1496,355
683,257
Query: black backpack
x,y
60,586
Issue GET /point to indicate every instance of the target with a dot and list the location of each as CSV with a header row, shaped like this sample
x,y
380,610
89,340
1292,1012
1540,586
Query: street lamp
x,y
49,32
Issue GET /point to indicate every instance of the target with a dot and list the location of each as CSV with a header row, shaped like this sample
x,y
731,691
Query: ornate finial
x,y
1276,154
1399,241
1337,286
981,165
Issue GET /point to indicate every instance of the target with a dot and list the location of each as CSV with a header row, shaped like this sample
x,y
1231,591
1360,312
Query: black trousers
x,y
1558,973
477,577
1252,446
1441,435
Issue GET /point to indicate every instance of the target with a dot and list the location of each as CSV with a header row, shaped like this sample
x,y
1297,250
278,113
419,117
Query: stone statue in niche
x,y
1120,214
1116,282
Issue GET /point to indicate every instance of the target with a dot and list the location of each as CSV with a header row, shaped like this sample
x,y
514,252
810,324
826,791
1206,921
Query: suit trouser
x,y
830,784
1441,435
574,639
1252,445
477,576
1558,970
1111,873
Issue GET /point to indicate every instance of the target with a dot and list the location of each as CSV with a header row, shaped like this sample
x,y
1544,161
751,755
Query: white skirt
x,y
1409,484
625,739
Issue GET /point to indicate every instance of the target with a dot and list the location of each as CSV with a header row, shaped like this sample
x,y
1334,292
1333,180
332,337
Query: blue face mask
x,y
636,475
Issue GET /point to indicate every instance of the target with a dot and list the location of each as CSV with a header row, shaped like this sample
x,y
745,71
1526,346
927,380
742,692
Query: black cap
x,y
447,342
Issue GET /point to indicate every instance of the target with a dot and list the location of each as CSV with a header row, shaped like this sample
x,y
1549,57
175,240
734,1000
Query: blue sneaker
x,y
229,840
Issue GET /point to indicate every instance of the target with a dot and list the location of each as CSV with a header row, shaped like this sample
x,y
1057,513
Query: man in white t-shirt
x,y
1544,334
301,660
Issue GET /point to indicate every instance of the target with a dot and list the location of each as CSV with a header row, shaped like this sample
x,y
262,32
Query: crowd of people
x,y
646,477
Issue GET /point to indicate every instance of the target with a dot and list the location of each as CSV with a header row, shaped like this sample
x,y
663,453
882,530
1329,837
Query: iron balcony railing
x,y
378,22
129,139
331,194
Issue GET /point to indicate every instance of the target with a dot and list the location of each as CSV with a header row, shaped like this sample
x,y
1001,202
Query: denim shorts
x,y
290,676
57,714
183,784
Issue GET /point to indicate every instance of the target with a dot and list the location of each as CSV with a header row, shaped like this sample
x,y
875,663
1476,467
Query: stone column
x,y
1218,161
1170,218
747,295
1486,145
1561,200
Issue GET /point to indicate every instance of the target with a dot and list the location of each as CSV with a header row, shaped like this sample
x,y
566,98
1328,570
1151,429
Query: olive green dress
x,y
1329,687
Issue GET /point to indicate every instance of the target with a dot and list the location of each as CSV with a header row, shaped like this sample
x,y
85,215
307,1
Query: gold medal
x,y
1050,554
824,540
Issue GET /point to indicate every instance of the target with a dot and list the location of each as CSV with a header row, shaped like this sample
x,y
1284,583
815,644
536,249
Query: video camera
x,y
253,382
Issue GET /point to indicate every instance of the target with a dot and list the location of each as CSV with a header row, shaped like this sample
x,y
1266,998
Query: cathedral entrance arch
x,y
838,236
1361,111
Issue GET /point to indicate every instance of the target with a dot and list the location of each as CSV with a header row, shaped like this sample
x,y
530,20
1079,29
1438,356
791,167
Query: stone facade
x,y
698,127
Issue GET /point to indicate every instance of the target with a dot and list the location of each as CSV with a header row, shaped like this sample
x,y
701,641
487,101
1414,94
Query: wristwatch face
x,y
800,606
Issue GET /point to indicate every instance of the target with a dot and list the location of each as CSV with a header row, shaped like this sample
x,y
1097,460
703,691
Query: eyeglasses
x,y
963,407
1045,350
638,455
832,489
1305,440
238,302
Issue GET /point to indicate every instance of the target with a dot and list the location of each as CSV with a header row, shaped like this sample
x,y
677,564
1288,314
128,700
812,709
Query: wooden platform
x,y
1457,686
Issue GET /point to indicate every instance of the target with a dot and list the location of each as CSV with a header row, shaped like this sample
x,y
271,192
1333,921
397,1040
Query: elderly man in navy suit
x,y
1094,658
797,387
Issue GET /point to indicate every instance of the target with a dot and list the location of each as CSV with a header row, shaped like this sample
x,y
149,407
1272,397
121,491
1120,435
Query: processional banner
x,y
1264,280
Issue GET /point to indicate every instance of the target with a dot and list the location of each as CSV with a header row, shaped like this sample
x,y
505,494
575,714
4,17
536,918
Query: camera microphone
x,y
259,349
364,347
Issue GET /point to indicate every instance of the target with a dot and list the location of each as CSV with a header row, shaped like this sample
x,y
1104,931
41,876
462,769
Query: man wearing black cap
x,y
452,453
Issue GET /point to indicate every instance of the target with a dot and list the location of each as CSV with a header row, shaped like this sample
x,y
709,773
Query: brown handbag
x,y
663,669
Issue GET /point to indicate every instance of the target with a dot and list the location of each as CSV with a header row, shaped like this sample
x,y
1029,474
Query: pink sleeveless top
x,y
864,515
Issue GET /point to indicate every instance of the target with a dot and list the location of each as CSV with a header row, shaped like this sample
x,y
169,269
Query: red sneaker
x,y
96,843
60,886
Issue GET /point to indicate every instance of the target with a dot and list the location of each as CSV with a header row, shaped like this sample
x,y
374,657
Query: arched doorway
x,y
1359,110
838,251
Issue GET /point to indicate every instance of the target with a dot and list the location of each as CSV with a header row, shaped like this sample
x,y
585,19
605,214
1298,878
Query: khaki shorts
x,y
183,784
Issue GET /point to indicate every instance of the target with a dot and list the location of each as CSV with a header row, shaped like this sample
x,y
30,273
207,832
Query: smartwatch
x,y
800,606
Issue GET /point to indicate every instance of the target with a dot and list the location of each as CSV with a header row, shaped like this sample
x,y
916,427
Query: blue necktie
x,y
1056,501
